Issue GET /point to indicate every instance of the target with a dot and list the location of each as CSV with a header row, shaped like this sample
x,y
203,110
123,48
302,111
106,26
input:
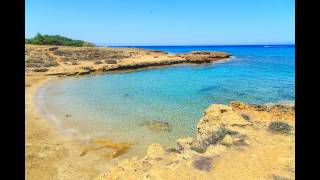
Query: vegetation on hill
x,y
56,40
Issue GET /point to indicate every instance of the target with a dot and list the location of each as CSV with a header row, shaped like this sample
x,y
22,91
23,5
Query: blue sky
x,y
164,22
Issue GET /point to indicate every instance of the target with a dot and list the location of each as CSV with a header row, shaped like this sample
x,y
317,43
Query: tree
x,y
40,39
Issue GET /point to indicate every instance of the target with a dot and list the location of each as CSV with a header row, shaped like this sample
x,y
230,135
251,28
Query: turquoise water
x,y
114,105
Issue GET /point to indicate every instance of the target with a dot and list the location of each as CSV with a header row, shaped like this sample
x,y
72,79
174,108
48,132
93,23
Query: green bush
x,y
56,40
280,127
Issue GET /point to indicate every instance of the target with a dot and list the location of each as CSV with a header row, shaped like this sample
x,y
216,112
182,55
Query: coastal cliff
x,y
66,61
239,141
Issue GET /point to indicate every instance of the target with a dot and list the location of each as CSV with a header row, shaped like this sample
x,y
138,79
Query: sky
x,y
164,22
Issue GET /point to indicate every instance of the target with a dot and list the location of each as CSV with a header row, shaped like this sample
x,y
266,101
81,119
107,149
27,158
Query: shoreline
x,y
51,153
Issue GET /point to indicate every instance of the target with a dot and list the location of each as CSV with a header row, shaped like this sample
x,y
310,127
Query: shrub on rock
x,y
280,127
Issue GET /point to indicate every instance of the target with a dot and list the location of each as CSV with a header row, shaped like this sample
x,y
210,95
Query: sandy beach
x,y
52,155
49,155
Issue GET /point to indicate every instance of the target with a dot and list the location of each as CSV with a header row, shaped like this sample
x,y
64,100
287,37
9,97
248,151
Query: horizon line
x,y
291,44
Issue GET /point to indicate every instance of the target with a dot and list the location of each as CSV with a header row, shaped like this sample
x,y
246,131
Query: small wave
x,y
281,102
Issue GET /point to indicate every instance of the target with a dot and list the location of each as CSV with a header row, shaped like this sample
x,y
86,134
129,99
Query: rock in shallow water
x,y
157,126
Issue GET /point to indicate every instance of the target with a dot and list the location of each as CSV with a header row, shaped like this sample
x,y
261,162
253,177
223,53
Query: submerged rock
x,y
127,95
207,89
67,115
157,126
97,144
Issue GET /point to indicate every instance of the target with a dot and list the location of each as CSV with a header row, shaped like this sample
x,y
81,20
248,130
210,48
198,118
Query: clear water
x,y
114,105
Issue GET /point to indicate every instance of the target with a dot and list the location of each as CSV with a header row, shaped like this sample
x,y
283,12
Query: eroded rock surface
x,y
226,146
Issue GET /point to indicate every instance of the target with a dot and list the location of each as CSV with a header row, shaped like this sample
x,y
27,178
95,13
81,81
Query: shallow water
x,y
116,105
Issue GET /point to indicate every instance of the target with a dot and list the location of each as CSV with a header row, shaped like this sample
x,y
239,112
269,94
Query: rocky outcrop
x,y
219,121
205,57
220,133
67,60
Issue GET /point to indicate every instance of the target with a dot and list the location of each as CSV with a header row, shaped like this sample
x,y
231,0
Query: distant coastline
x,y
252,45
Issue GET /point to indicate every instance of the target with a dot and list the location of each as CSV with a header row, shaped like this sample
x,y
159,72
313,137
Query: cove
x,y
129,106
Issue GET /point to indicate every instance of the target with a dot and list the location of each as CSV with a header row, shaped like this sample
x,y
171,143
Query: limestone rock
x,y
220,127
202,163
184,143
205,57
215,150
218,122
238,105
214,137
155,150
227,140
217,117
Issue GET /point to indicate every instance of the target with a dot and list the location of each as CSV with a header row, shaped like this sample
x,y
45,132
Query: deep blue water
x,y
114,105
